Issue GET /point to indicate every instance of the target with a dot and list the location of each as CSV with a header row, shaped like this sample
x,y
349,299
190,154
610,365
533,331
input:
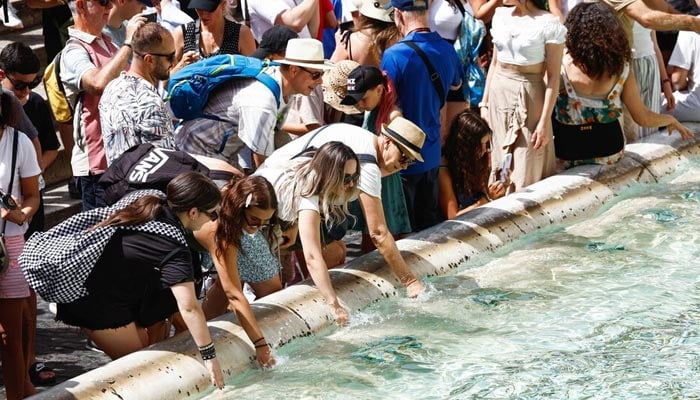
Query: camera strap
x,y
12,172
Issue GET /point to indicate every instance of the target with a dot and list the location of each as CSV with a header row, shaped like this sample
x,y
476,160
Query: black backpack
x,y
145,166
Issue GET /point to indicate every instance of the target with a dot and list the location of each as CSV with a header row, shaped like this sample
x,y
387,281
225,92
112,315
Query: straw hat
x,y
407,135
376,9
307,53
335,84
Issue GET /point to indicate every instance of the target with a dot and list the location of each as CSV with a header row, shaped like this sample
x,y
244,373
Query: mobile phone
x,y
152,17
6,201
505,170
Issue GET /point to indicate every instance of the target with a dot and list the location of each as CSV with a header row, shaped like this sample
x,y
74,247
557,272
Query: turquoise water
x,y
608,308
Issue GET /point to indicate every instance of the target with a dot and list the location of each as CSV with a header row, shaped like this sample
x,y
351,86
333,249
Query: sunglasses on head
x,y
213,215
348,178
315,75
21,85
257,224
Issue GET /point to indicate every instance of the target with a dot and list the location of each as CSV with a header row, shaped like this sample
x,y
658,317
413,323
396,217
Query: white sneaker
x,y
52,308
13,20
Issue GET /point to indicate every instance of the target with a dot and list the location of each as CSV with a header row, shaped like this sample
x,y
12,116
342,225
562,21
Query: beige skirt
x,y
515,105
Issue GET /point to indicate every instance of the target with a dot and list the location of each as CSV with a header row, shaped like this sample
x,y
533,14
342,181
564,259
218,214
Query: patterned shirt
x,y
131,113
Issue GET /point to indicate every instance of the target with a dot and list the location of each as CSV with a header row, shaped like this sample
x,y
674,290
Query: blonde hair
x,y
321,176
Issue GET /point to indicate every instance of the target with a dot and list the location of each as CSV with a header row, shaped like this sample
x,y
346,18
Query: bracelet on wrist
x,y
483,104
260,346
665,80
127,43
256,341
207,352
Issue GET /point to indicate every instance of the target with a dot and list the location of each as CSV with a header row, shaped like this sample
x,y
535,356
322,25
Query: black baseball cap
x,y
274,40
206,5
360,80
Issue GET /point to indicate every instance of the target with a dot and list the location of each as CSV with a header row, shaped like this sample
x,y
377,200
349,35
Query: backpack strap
x,y
434,76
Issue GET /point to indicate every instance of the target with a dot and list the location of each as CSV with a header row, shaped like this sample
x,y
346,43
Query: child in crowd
x,y
466,165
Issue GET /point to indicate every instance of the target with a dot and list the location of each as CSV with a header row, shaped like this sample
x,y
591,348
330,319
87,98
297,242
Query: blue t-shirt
x,y
418,98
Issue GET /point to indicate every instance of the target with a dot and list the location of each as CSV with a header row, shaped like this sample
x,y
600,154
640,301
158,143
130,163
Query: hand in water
x,y
340,313
413,289
264,356
217,377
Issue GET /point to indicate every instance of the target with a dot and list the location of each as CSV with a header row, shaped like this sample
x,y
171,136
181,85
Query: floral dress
x,y
591,115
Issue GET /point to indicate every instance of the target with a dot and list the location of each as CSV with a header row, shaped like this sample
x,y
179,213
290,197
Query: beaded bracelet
x,y
207,352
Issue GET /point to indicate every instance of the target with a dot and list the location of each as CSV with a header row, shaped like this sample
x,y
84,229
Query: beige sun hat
x,y
335,86
307,53
407,135
375,9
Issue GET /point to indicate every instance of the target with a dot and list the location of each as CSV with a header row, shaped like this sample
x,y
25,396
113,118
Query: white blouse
x,y
521,40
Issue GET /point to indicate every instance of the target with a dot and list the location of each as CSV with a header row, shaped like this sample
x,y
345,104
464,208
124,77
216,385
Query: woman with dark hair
x,y
212,34
597,80
521,88
466,165
313,190
140,278
19,185
239,243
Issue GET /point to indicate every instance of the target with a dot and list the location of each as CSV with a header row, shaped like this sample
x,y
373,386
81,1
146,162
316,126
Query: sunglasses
x,y
213,215
103,3
351,178
21,85
257,224
315,75
170,57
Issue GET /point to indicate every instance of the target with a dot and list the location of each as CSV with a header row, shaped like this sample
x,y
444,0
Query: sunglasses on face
x,y
170,57
315,75
213,214
351,178
256,224
21,85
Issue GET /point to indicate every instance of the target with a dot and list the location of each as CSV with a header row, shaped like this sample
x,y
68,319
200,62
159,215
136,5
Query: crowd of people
x,y
362,117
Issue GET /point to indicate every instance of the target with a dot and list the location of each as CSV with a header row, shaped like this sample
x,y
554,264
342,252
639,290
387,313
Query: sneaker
x,y
52,308
13,20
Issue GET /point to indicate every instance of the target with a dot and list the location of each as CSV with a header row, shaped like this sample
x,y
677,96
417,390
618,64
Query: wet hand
x,y
340,314
217,376
414,288
264,357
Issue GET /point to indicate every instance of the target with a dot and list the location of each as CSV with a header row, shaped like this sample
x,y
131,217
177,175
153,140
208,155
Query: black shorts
x,y
97,312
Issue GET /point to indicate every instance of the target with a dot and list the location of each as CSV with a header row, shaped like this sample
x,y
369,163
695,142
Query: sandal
x,y
38,375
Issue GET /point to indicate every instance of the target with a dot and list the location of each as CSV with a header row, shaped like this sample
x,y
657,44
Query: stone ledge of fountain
x,y
173,369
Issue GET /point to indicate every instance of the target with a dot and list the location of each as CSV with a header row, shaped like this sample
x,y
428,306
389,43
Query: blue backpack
x,y
189,88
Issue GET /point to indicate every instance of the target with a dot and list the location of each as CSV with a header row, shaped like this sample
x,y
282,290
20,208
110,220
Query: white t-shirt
x,y
263,14
686,55
26,166
361,141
